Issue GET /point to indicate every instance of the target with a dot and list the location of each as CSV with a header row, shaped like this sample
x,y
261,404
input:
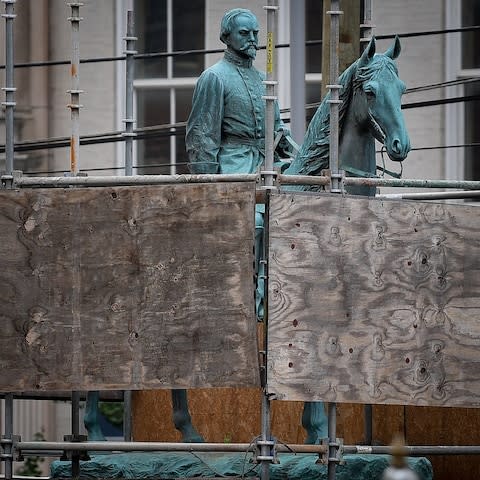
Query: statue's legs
x,y
91,419
259,267
315,422
182,419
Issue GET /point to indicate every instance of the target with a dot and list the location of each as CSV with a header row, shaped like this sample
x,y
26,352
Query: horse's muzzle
x,y
397,149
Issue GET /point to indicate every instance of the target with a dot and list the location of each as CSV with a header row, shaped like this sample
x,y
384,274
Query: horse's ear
x,y
394,51
368,53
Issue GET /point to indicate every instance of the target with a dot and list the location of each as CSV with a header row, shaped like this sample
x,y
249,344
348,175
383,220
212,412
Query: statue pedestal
x,y
210,465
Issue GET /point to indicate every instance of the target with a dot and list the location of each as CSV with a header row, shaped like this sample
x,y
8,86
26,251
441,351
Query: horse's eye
x,y
370,94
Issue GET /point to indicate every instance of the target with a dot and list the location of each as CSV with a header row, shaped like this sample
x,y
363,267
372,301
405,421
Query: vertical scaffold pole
x,y
270,96
127,415
366,31
75,433
334,88
332,441
8,437
334,101
266,444
75,91
9,88
366,27
130,75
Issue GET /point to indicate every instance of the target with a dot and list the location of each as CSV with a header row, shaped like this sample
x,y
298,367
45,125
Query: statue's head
x,y
239,32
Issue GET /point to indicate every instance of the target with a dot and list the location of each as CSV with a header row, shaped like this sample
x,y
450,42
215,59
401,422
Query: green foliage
x,y
31,465
112,411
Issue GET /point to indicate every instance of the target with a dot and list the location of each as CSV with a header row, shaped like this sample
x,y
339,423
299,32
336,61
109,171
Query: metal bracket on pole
x,y
8,181
266,451
326,457
8,448
273,175
338,178
68,455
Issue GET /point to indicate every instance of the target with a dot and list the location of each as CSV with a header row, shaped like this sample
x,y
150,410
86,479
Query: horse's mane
x,y
313,157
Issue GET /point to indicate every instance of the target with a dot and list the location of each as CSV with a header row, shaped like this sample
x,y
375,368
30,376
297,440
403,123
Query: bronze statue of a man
x,y
226,127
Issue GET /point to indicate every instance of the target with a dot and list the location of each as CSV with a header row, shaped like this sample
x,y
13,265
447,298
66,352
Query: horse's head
x,y
378,92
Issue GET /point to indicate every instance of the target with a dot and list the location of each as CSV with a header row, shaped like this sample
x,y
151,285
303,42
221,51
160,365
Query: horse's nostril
x,y
397,146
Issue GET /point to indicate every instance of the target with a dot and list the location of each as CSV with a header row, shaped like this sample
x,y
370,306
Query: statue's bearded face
x,y
243,38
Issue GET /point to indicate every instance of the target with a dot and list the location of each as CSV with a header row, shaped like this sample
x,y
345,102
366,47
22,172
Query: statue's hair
x,y
226,25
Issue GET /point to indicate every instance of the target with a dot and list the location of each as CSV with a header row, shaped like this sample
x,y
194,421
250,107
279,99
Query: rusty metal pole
x,y
9,88
334,89
75,91
130,75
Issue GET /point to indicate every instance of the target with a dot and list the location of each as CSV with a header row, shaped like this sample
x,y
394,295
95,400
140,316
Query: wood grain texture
x,y
374,301
127,288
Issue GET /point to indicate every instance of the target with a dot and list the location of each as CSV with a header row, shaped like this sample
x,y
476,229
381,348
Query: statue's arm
x,y
204,126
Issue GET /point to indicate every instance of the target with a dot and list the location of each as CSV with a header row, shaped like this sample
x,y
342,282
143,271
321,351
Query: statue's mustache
x,y
250,45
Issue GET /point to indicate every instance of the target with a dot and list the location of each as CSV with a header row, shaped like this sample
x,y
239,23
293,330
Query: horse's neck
x,y
357,146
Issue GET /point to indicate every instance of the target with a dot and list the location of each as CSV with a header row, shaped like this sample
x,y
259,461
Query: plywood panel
x,y
127,287
374,301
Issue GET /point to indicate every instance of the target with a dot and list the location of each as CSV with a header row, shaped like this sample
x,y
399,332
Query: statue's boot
x,y
91,419
315,422
182,419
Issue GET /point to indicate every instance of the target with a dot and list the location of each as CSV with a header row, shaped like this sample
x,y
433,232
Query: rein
x,y
364,174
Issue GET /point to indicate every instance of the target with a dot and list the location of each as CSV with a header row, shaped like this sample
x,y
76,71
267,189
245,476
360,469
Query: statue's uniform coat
x,y
226,127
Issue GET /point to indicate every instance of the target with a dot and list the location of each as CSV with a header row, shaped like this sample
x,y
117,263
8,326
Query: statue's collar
x,y
237,60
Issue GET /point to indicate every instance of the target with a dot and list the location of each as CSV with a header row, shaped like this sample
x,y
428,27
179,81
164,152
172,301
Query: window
x,y
313,54
164,85
314,29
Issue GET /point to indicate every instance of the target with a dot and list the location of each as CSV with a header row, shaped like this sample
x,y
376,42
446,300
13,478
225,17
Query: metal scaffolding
x,y
268,180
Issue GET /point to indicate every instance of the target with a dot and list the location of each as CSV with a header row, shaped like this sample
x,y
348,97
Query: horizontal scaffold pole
x,y
131,180
412,451
24,181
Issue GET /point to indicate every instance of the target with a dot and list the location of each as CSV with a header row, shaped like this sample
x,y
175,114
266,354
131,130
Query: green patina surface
x,y
178,465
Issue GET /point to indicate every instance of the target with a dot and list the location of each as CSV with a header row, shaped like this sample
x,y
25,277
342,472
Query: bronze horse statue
x,y
370,109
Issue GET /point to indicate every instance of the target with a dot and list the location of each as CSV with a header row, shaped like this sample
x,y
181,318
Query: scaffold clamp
x,y
70,454
337,447
8,181
10,453
266,451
